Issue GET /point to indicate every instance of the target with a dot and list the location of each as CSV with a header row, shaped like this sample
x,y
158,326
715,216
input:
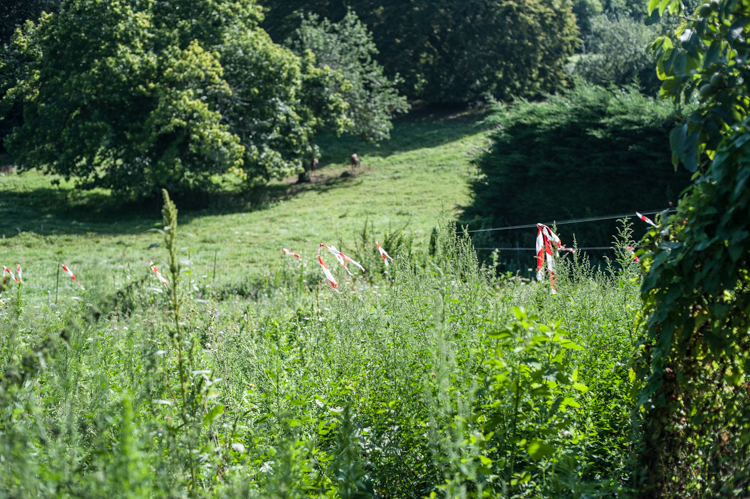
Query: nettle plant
x,y
694,360
540,384
524,417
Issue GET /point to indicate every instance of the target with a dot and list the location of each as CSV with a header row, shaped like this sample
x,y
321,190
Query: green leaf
x,y
736,29
654,18
677,138
539,449
690,41
217,411
663,5
712,54
664,64
570,345
690,156
569,401
680,63
670,86
580,387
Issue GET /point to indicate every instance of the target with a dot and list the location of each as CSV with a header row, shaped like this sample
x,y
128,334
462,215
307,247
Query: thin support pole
x,y
215,251
57,282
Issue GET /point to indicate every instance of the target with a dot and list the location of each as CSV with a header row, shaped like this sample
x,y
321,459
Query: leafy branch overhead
x,y
708,60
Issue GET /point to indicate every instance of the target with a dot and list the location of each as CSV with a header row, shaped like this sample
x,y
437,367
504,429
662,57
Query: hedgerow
x,y
588,152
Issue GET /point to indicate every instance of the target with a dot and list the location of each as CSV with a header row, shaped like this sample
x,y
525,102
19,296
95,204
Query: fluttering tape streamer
x,y
158,275
328,274
290,253
383,254
72,276
546,241
646,219
10,272
342,258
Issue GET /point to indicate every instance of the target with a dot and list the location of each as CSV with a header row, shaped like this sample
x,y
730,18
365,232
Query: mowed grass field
x,y
406,182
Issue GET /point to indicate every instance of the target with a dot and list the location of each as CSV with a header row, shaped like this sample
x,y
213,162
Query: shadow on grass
x,y
52,210
67,211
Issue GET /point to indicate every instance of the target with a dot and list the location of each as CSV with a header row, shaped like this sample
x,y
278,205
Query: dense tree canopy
x,y
447,51
587,11
13,13
136,95
347,48
126,94
617,53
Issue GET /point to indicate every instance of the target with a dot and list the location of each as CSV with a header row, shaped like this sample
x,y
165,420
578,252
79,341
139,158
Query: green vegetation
x,y
406,182
432,379
617,54
347,47
588,152
695,359
246,373
14,13
149,98
455,51
616,35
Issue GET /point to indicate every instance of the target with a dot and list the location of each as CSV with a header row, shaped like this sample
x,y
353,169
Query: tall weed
x,y
439,378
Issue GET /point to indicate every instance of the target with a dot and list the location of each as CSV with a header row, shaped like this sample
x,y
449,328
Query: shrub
x,y
591,151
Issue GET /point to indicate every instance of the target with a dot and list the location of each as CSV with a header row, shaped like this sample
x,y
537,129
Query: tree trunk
x,y
306,176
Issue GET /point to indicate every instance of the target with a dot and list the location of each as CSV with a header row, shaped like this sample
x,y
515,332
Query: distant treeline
x,y
454,51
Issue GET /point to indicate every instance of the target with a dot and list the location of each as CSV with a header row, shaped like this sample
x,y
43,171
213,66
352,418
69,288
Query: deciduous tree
x,y
139,95
449,51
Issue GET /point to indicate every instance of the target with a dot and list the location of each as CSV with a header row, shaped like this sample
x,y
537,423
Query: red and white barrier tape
x,y
72,276
383,254
328,274
290,253
10,272
342,258
546,240
646,219
159,276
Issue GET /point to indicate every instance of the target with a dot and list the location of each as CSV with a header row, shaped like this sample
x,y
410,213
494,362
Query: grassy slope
x,y
409,180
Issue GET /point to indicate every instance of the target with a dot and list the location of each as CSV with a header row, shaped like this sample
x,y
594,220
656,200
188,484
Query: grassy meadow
x,y
407,182
439,377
